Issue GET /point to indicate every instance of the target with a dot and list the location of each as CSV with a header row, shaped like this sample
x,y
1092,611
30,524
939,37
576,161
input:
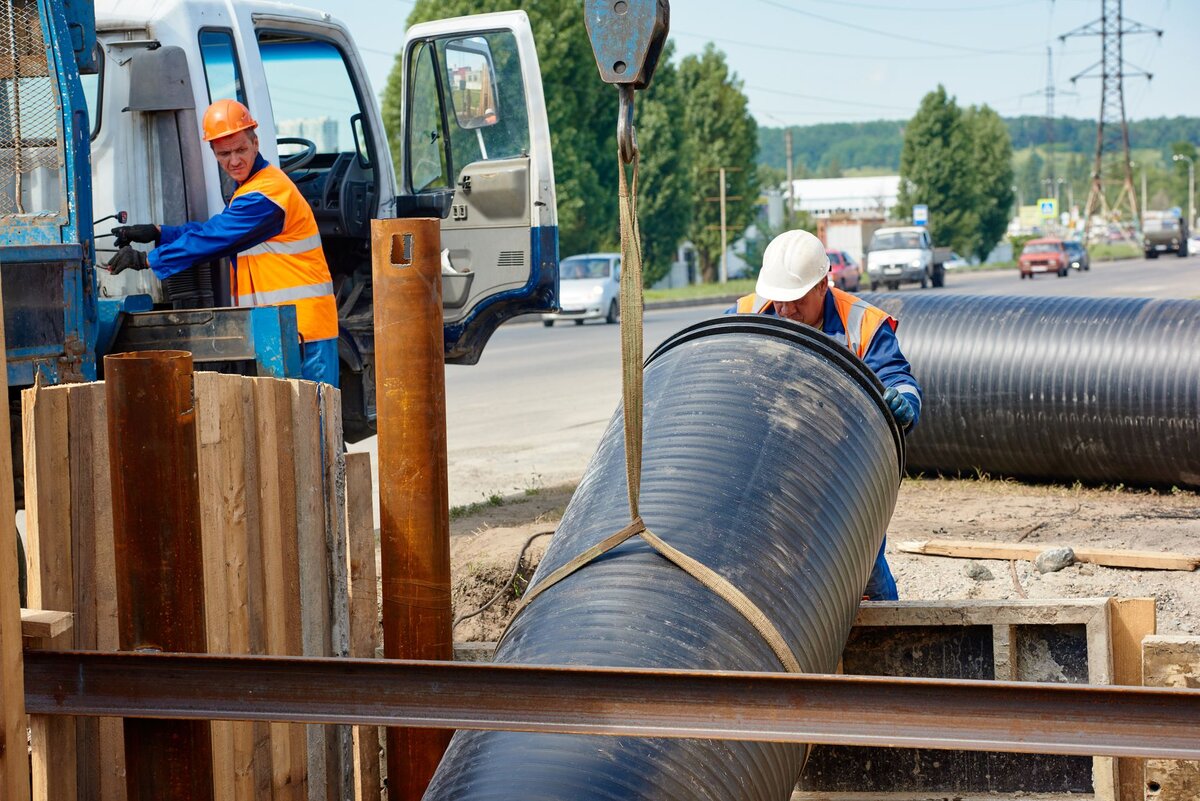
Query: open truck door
x,y
476,151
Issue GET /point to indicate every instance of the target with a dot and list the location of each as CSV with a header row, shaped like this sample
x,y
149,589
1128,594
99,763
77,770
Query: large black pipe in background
x,y
771,458
1100,390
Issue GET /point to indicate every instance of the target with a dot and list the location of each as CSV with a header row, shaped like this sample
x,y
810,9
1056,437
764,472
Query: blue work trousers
x,y
319,361
881,586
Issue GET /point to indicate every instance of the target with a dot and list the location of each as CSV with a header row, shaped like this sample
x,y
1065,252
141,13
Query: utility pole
x,y
791,178
1112,164
1143,189
1050,111
724,234
723,198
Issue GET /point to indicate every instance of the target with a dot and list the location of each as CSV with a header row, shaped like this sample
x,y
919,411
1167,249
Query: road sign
x,y
1049,207
920,214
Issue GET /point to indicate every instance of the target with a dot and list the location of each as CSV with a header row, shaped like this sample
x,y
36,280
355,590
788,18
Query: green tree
x,y
665,192
1029,178
937,169
723,134
992,160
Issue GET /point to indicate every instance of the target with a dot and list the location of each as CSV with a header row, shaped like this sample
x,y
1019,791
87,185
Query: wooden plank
x,y
280,569
333,456
1171,661
1108,557
217,512
80,414
1132,620
89,419
49,550
45,624
14,764
1004,652
314,558
364,610
254,633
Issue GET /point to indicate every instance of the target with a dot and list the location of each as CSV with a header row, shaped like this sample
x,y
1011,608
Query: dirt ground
x,y
485,542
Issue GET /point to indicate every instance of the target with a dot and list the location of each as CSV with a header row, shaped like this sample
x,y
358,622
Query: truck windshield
x,y
1169,224
896,240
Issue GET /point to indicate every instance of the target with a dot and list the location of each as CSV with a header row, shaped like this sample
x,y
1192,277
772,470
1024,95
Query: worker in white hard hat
x,y
794,284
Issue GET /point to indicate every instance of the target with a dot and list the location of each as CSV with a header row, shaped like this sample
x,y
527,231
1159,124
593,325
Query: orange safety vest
x,y
860,319
290,266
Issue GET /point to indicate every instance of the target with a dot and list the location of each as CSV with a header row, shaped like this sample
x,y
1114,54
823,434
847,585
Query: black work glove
x,y
900,407
128,259
146,234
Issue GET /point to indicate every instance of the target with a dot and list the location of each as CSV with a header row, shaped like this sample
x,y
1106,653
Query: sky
x,y
812,61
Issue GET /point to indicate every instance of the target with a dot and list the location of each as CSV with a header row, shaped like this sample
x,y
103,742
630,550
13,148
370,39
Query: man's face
x,y
809,309
235,154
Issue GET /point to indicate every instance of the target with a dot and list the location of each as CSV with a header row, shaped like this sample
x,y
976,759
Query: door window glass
x,y
427,164
221,70
312,95
92,94
489,118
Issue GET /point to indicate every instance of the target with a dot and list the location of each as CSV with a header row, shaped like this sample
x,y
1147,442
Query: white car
x,y
589,289
955,261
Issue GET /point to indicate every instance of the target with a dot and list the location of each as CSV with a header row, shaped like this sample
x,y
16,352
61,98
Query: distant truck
x,y
1164,232
905,255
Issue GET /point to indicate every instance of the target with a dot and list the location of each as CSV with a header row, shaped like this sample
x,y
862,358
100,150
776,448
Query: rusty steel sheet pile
x,y
1098,390
771,459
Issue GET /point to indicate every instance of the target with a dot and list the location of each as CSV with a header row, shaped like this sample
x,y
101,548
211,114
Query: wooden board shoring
x,y
364,610
45,420
274,533
1013,640
14,766
1132,620
1171,661
1109,557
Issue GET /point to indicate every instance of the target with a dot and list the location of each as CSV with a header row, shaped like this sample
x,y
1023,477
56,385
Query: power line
x,y
833,100
876,31
856,56
931,9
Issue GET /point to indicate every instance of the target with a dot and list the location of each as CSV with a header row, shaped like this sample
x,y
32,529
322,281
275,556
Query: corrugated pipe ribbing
x,y
770,457
1099,390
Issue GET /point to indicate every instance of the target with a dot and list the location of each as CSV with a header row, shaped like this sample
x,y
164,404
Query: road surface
x,y
532,411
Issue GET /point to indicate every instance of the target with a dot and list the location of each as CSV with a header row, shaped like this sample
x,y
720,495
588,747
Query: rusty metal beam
x,y
156,537
414,507
845,710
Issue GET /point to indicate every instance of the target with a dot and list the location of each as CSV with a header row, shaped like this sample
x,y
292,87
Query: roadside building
x,y
847,210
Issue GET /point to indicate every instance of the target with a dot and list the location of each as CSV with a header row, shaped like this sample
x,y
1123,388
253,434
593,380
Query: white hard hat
x,y
793,263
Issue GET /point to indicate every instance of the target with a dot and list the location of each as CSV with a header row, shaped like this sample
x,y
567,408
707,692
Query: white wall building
x,y
321,131
872,196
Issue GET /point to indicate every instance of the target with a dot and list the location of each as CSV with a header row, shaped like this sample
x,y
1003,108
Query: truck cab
x,y
473,148
905,255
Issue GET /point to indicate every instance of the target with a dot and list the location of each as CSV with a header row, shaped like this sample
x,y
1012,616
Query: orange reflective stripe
x,y
290,267
860,319
750,304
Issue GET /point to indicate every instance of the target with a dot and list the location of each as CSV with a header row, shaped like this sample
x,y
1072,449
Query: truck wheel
x,y
1183,251
924,281
548,323
1152,254
939,277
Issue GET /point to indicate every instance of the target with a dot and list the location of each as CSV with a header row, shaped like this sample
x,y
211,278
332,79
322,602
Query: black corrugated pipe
x,y
1100,390
771,458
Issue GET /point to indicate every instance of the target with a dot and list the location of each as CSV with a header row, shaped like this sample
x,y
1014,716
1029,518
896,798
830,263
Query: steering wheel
x,y
296,160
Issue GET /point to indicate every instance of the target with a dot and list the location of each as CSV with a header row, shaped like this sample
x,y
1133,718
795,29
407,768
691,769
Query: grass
x,y
738,286
1120,250
457,512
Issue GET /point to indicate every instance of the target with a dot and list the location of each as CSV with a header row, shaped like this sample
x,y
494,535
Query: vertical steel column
x,y
414,507
160,576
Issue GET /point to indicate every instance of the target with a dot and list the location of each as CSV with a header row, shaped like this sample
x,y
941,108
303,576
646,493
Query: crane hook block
x,y
627,38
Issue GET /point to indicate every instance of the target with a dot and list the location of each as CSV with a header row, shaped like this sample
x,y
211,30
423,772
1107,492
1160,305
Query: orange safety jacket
x,y
860,319
289,267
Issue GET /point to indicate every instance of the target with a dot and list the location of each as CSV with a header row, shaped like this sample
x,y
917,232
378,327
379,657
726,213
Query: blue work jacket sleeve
x,y
888,363
169,233
249,220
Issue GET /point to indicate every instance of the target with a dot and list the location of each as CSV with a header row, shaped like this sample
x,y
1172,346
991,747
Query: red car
x,y
844,272
1046,255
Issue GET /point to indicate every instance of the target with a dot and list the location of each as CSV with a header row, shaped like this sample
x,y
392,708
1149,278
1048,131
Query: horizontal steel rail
x,y
767,707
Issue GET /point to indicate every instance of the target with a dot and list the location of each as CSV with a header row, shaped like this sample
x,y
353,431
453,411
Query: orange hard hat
x,y
226,117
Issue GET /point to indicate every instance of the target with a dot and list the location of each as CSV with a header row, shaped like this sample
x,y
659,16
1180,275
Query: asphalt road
x,y
532,411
